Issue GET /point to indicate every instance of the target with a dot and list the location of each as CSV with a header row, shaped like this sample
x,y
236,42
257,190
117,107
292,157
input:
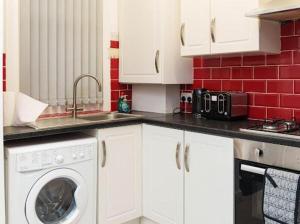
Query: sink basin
x,y
108,116
81,121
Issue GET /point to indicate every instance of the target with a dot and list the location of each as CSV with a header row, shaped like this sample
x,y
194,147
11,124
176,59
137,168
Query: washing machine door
x,y
58,197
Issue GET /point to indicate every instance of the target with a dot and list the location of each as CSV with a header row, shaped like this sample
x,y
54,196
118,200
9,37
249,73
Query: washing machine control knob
x,y
59,159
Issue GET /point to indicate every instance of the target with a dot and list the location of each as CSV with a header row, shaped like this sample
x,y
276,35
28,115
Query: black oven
x,y
251,161
248,194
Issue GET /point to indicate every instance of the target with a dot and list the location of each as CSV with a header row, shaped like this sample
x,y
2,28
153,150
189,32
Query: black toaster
x,y
220,105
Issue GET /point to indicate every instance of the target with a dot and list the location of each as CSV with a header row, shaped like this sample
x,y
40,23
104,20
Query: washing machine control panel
x,y
44,159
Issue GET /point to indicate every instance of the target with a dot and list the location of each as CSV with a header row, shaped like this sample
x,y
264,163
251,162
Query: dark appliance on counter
x,y
220,105
251,161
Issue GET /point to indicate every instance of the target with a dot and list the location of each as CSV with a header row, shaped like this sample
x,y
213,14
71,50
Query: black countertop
x,y
183,122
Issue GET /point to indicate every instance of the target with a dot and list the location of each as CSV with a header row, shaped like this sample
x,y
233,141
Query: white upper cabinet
x,y
195,27
120,180
227,28
149,34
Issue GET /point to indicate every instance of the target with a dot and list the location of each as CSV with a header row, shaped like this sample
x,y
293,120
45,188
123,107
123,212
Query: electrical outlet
x,y
186,97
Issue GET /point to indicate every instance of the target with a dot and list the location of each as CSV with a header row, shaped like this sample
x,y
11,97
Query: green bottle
x,y
123,106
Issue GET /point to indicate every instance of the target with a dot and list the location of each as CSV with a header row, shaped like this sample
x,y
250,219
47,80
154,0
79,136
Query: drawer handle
x,y
156,61
186,158
212,30
104,152
177,155
182,30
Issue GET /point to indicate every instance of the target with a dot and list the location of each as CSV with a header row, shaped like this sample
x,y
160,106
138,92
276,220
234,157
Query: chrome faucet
x,y
75,108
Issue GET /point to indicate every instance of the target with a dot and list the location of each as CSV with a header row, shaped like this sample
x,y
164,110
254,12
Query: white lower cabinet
x,y
190,184
120,176
209,179
162,176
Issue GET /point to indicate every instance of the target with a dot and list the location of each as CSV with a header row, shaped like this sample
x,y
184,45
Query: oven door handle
x,y
253,169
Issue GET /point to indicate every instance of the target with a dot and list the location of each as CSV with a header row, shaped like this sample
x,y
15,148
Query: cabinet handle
x,y
177,155
212,30
182,29
156,61
104,154
186,158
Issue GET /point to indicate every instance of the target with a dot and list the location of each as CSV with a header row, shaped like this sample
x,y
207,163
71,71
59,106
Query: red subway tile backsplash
x,y
271,81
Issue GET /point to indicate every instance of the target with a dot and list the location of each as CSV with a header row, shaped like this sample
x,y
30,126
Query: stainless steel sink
x,y
81,120
108,116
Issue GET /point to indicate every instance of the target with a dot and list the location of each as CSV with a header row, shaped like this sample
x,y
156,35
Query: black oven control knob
x,y
259,152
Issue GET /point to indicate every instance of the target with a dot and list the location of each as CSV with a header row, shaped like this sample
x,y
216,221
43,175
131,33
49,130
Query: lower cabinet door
x,y
209,179
163,175
120,180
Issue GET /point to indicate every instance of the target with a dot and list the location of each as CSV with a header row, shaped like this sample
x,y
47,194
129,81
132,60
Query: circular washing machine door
x,y
59,196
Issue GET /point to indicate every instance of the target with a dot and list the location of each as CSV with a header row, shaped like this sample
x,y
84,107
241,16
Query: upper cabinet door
x,y
195,27
209,179
140,51
231,30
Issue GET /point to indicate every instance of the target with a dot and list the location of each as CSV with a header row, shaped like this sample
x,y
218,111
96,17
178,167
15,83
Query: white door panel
x,y
162,180
119,174
209,185
234,31
195,17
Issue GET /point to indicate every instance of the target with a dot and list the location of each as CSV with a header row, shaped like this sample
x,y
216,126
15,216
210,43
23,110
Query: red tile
x,y
129,87
115,85
115,95
290,101
289,72
4,59
279,113
297,86
4,86
242,73
182,107
287,28
198,62
114,44
280,86
212,62
268,100
284,58
290,43
266,72
114,74
232,85
114,106
114,63
202,73
254,60
197,84
4,73
257,112
189,108
231,61
255,86
297,115
251,98
220,73
297,27
215,85
296,55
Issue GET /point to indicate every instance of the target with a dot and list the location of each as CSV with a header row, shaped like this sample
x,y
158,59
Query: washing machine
x,y
52,180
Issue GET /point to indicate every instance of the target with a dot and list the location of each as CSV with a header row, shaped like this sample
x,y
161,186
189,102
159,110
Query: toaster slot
x,y
207,102
221,104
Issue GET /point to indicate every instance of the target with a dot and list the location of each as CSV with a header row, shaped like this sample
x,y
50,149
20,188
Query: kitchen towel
x,y
281,197
20,109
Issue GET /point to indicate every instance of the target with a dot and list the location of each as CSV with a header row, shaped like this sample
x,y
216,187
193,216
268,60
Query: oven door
x,y
249,186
